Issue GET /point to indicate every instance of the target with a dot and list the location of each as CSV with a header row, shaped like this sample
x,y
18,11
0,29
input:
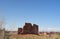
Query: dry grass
x,y
30,36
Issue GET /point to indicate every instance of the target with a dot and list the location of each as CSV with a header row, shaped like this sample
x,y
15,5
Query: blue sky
x,y
45,13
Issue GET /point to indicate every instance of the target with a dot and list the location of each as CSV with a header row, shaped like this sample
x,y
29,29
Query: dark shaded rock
x,y
27,28
19,30
35,29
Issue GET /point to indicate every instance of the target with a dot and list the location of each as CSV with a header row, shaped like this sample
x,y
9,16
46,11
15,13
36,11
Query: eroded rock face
x,y
35,29
28,29
19,30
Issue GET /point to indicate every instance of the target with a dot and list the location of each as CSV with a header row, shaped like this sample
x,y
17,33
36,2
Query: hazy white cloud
x,y
49,29
54,29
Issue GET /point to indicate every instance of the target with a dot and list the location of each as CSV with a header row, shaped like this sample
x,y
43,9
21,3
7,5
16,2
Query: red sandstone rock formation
x,y
28,29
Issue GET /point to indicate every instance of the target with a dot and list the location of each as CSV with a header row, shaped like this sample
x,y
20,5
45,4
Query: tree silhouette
x,y
2,23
